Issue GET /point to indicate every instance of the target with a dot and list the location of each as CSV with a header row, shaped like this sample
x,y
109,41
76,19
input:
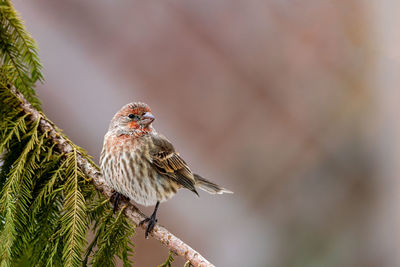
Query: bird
x,y
142,165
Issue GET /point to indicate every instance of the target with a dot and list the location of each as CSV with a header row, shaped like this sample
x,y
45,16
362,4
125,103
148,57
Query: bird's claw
x,y
115,199
151,223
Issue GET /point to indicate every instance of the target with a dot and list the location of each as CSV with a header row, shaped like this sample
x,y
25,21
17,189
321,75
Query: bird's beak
x,y
147,119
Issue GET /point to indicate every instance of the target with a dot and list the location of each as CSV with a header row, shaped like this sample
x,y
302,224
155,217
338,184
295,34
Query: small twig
x,y
168,262
63,145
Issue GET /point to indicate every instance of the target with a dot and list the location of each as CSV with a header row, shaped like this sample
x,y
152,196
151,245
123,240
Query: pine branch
x,y
18,50
74,214
91,171
12,201
112,240
168,262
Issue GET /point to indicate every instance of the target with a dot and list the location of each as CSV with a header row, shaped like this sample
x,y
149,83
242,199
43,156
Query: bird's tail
x,y
210,187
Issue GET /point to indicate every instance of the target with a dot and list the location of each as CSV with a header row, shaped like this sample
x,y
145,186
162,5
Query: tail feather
x,y
210,187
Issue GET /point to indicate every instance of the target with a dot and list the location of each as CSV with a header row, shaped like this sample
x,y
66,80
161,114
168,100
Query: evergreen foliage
x,y
112,239
47,205
168,262
19,52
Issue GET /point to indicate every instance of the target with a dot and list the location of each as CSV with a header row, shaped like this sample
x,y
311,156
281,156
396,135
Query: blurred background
x,y
293,105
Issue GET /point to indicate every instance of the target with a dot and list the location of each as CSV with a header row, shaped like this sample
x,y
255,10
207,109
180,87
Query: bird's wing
x,y
167,162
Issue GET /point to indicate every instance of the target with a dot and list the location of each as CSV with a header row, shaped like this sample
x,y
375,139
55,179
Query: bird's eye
x,y
133,116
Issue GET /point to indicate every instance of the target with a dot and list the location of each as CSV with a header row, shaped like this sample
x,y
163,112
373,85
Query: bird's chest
x,y
129,170
130,157
116,145
131,173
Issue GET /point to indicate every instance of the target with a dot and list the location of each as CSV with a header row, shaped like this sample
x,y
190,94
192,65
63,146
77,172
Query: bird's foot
x,y
152,220
116,199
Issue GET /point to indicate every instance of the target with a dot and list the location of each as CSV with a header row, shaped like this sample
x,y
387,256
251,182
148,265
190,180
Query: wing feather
x,y
168,163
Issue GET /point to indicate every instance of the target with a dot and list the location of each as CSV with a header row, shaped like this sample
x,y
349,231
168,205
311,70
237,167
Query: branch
x,y
159,233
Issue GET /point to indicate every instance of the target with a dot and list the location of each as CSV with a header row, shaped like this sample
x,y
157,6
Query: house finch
x,y
142,165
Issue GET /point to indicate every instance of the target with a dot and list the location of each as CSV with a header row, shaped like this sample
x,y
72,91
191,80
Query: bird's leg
x,y
115,199
152,220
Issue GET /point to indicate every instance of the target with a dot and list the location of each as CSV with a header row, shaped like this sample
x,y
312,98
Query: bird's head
x,y
134,118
